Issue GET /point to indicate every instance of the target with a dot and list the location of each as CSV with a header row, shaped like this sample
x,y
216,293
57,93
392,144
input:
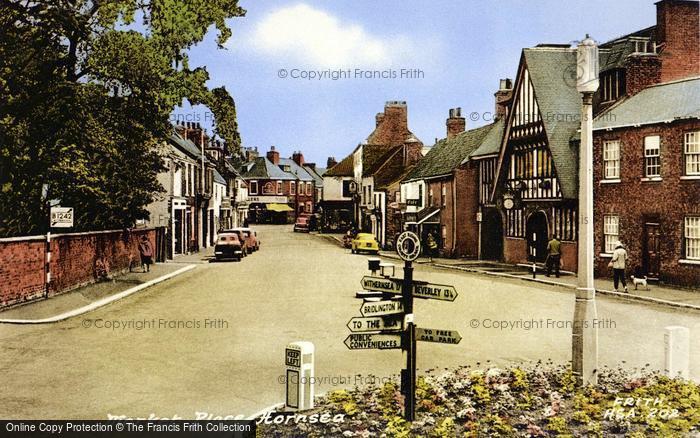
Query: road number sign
x,y
360,341
380,308
61,217
375,324
408,246
438,335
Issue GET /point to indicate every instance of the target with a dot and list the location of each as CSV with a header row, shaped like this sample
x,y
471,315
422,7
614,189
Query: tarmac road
x,y
211,341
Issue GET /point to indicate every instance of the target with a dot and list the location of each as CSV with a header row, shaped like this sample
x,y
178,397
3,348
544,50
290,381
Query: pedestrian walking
x,y
146,252
553,256
618,263
432,246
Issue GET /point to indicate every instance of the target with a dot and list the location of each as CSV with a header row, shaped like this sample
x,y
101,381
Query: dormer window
x,y
612,85
644,46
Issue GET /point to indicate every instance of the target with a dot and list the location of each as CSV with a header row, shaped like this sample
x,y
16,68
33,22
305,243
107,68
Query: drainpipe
x,y
454,214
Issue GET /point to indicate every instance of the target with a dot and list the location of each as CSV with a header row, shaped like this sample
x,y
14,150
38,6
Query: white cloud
x,y
303,34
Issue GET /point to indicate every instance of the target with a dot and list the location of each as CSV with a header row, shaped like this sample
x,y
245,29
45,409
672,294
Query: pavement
x,y
657,294
211,341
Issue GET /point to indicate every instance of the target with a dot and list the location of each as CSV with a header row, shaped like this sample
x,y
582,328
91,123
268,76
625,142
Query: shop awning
x,y
278,207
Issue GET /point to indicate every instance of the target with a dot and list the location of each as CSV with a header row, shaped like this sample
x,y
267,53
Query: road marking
x,y
99,303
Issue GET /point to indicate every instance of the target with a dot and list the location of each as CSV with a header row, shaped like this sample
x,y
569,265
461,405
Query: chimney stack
x,y
273,156
379,118
455,123
503,96
298,158
678,39
331,162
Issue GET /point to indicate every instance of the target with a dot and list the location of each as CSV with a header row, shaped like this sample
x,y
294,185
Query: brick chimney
x,y
273,156
311,166
455,123
503,96
677,25
330,162
392,128
298,158
396,115
379,117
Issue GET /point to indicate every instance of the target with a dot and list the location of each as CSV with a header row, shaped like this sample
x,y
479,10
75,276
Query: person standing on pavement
x,y
619,263
146,252
432,246
553,256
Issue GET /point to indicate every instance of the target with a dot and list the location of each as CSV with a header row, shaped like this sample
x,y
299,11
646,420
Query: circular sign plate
x,y
408,246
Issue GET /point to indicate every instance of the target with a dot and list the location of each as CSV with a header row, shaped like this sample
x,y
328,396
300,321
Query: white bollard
x,y
299,362
677,349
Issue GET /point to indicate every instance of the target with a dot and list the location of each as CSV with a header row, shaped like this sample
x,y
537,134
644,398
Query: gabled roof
x,y
296,169
186,146
218,178
384,181
374,156
316,173
262,168
491,143
446,155
560,108
656,104
344,168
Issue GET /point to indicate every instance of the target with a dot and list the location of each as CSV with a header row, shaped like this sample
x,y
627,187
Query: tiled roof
x,y
385,180
218,178
374,156
446,155
262,168
491,144
316,174
344,168
656,104
560,107
614,52
186,146
296,169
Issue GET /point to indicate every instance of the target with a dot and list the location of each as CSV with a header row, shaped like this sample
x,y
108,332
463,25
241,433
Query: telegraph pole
x,y
585,332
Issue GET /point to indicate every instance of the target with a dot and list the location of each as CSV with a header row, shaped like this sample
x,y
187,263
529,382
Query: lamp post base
x,y
585,337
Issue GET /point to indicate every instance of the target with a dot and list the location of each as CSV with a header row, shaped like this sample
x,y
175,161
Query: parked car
x,y
242,238
364,242
255,242
302,224
228,246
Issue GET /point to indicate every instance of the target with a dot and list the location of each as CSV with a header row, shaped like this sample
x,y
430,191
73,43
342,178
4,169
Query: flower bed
x,y
539,400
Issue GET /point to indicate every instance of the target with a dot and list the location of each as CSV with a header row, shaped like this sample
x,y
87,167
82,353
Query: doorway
x,y
650,252
491,235
537,236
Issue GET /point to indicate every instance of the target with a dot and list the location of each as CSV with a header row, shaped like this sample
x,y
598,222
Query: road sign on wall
x,y
61,217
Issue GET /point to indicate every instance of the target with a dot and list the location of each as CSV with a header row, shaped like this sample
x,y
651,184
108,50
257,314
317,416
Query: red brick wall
x,y
466,179
641,72
74,261
677,29
636,202
569,256
392,128
515,250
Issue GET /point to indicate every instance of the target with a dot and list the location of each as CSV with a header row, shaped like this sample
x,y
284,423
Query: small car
x,y
242,238
253,237
251,240
228,246
364,242
302,224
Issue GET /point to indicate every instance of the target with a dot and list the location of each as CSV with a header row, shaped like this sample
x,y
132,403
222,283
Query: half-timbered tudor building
x,y
534,185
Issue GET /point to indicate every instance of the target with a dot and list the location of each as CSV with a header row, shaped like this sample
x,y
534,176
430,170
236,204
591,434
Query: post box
x,y
299,363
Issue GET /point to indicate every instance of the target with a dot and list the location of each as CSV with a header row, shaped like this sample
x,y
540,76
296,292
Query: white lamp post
x,y
585,333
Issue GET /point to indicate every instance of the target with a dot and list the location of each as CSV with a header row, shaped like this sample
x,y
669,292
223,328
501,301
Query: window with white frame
x,y
292,187
652,156
692,153
443,194
300,188
611,230
279,187
308,189
611,159
692,237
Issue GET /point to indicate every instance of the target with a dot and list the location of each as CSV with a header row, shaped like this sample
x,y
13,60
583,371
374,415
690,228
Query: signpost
x,y
375,324
373,341
438,335
387,316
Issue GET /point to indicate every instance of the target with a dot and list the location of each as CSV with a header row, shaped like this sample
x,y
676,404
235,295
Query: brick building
x,y
441,194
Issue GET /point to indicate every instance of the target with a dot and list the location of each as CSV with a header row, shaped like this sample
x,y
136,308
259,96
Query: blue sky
x,y
462,47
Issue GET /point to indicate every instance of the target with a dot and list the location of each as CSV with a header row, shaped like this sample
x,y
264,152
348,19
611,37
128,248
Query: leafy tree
x,y
86,89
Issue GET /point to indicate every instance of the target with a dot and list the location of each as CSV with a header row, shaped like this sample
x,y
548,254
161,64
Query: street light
x,y
585,333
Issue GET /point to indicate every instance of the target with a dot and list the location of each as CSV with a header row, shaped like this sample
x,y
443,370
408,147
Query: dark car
x,y
228,246
242,238
302,224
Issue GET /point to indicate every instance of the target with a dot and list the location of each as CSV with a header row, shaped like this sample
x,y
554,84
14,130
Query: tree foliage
x,y
86,89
